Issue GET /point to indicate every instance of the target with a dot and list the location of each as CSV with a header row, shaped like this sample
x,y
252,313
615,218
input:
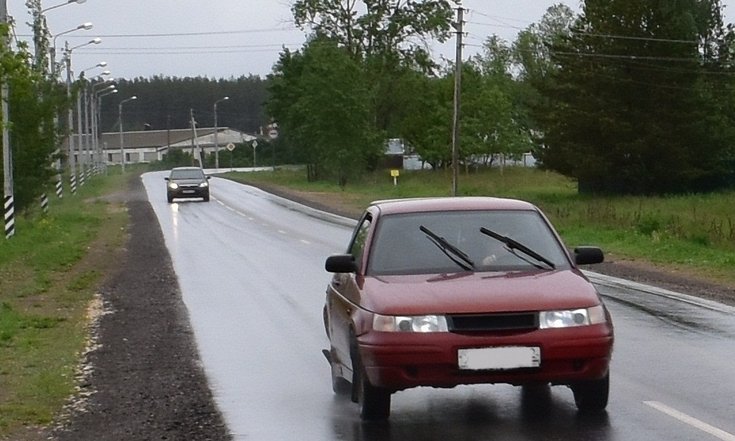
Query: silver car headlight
x,y
572,317
419,323
204,184
173,185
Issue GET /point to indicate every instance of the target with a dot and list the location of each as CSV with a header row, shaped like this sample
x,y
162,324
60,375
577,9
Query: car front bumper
x,y
399,361
188,192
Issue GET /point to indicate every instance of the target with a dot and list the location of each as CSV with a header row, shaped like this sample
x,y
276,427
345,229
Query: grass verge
x,y
49,273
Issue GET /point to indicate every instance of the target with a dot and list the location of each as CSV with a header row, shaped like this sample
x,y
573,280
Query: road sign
x,y
230,146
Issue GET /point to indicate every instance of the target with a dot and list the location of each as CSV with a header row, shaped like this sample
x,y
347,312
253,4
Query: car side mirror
x,y
166,178
341,263
588,255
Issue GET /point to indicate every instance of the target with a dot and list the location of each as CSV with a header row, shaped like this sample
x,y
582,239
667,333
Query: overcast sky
x,y
226,38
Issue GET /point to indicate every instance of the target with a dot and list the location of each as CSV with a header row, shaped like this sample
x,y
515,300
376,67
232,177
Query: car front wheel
x,y
374,401
592,396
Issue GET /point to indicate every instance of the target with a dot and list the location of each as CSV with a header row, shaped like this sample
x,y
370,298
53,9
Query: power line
x,y
627,57
183,34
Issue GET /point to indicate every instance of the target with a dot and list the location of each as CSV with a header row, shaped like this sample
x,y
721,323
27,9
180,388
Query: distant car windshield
x,y
187,174
401,247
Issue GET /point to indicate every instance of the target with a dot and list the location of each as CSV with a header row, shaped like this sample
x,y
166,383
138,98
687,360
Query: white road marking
x,y
686,419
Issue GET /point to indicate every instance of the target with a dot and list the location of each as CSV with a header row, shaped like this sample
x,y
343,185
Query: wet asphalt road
x,y
250,268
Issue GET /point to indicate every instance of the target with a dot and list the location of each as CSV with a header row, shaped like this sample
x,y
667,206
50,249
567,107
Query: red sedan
x,y
448,291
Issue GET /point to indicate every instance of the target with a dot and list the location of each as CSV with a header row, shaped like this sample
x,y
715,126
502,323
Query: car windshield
x,y
401,244
187,174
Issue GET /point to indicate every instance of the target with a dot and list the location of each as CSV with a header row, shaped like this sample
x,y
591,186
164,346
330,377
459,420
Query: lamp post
x,y
40,31
63,4
120,120
98,117
216,144
70,117
83,122
52,49
103,87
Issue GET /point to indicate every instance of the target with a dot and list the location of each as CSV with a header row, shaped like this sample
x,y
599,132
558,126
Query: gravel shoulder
x,y
143,379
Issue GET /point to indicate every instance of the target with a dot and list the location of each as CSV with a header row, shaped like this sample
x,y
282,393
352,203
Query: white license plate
x,y
499,358
188,191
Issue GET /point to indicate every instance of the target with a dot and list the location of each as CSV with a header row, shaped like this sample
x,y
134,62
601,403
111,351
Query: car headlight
x,y
173,185
204,184
571,318
420,323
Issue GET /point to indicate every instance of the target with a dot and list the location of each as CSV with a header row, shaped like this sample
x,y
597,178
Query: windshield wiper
x,y
455,254
515,245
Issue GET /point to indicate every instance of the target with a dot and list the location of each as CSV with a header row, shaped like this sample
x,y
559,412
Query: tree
x,y
390,37
320,102
631,107
33,102
370,28
427,124
493,114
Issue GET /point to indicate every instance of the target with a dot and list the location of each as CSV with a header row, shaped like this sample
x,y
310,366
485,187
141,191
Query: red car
x,y
448,291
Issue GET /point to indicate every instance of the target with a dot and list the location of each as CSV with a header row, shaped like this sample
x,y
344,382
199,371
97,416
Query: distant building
x,y
152,145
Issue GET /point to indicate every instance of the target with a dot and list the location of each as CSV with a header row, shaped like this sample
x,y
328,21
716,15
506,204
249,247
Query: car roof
x,y
463,203
186,168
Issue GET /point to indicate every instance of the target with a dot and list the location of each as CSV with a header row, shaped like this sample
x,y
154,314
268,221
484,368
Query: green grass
x,y
49,273
690,233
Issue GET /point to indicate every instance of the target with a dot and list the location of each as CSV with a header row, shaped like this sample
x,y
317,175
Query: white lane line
x,y
686,419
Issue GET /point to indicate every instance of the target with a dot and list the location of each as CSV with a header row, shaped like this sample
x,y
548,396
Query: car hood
x,y
463,293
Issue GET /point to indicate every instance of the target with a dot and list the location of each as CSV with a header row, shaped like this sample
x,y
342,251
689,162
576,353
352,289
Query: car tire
x,y
170,198
206,197
592,396
374,401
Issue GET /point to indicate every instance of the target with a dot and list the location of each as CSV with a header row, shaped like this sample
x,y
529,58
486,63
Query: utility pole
x,y
457,101
9,203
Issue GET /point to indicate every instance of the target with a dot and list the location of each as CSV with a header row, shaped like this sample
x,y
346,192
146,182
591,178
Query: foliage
x,y
326,104
637,103
388,39
33,102
165,103
371,29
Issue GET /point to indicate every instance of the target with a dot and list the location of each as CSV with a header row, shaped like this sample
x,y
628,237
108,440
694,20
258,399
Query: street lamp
x,y
62,4
216,144
98,117
83,26
92,41
41,32
119,116
94,102
83,124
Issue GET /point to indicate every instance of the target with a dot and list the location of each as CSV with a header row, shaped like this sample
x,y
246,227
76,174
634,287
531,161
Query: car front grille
x,y
493,322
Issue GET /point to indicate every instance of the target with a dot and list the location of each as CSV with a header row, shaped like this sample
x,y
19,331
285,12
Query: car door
x,y
343,294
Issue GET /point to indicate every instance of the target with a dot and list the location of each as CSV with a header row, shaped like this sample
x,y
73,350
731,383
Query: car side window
x,y
357,246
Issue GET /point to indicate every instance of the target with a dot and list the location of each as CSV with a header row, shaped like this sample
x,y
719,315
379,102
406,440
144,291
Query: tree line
x,y
625,97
